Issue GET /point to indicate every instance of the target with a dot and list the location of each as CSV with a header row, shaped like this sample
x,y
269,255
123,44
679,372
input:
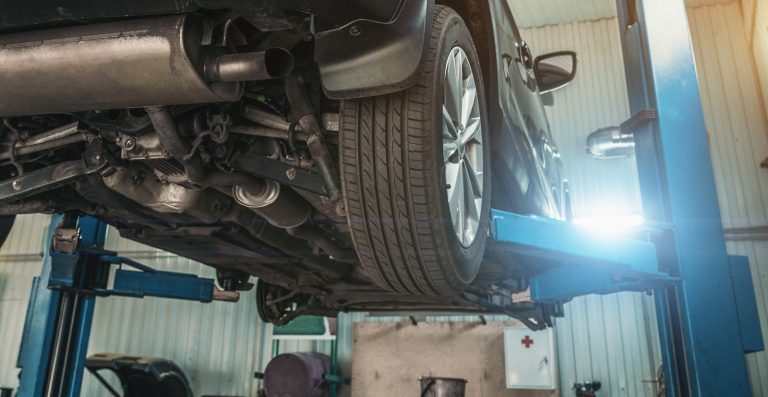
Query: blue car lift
x,y
705,302
76,270
706,308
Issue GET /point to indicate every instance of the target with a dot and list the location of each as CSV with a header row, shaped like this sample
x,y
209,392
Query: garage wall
x,y
609,338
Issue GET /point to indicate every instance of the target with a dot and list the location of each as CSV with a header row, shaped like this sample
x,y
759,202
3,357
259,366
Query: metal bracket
x,y
575,263
46,179
147,281
65,240
638,121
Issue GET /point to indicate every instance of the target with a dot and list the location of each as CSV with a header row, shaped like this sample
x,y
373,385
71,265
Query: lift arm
x,y
76,269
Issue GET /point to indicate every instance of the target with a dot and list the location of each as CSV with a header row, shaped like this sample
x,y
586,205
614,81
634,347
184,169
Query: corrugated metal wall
x,y
610,338
537,13
756,25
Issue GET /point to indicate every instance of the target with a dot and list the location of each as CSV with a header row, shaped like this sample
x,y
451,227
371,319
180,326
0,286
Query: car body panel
x,y
524,116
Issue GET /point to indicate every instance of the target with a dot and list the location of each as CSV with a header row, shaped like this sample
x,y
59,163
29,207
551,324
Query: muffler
x,y
131,63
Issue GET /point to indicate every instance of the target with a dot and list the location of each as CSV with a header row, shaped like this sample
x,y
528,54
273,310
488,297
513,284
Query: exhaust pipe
x,y
273,63
133,63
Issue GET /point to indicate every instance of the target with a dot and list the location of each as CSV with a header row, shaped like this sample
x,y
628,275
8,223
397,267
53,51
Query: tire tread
x,y
387,167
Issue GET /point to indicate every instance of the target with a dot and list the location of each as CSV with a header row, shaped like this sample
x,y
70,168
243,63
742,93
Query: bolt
x,y
291,173
129,144
355,30
96,157
341,210
16,185
221,151
218,206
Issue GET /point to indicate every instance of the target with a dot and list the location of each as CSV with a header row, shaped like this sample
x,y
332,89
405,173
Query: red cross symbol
x,y
527,341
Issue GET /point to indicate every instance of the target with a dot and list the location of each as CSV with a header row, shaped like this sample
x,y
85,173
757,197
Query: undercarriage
x,y
223,149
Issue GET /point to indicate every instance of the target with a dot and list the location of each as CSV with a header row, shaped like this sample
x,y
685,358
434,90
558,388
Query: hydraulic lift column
x,y
703,337
76,270
57,327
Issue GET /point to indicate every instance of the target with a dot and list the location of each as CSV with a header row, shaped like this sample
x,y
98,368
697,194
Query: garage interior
x,y
612,339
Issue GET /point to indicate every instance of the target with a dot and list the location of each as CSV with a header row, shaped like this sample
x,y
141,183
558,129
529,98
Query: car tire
x,y
400,162
6,224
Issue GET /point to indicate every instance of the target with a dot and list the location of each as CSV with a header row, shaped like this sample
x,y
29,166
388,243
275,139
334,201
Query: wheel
x,y
417,199
265,293
6,224
278,305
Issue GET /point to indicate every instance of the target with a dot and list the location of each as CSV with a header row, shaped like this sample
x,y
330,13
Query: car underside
x,y
228,132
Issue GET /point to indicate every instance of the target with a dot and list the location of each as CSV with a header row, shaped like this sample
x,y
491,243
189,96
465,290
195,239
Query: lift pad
x,y
575,262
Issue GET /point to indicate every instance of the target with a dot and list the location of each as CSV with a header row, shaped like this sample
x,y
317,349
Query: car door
x,y
522,109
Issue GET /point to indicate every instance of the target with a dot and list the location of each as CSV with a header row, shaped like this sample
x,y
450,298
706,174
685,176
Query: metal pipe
x,y
51,135
266,118
129,63
280,207
274,133
266,132
610,142
263,65
316,235
302,109
173,142
48,145
329,121
59,345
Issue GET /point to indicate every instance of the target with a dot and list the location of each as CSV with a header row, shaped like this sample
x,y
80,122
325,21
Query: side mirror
x,y
555,70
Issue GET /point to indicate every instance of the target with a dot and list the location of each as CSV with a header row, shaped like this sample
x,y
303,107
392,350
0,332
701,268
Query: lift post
x,y
77,269
702,335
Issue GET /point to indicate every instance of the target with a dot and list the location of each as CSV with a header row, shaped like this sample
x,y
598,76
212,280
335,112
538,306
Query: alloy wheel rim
x,y
462,146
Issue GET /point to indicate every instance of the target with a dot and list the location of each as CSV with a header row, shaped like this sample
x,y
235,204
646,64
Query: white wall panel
x,y
532,13
756,16
536,13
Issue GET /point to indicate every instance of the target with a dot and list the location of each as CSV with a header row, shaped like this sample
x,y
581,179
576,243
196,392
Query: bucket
x,y
442,387
297,375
